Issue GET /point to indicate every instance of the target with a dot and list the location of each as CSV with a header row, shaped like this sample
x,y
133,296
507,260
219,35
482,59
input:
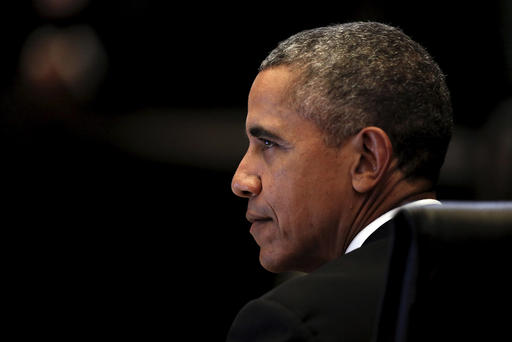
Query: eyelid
x,y
261,133
265,146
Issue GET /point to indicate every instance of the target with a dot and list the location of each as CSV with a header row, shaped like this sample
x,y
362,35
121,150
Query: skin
x,y
306,200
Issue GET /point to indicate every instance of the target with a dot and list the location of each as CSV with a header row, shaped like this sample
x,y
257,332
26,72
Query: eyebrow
x,y
263,133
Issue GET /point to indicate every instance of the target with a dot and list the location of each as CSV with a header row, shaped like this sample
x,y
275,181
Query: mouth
x,y
255,218
260,221
258,226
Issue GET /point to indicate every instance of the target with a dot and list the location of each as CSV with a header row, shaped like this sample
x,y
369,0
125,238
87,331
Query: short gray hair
x,y
360,74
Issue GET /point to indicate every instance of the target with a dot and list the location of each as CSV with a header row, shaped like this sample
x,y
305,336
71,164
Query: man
x,y
346,124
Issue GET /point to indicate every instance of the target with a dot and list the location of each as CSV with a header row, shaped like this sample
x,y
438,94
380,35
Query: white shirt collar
x,y
361,237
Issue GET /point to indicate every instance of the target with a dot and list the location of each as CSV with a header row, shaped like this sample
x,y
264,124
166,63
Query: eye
x,y
267,143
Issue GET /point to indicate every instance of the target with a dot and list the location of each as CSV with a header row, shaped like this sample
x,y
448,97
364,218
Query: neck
x,y
395,191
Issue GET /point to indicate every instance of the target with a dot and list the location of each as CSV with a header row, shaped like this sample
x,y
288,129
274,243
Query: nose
x,y
245,184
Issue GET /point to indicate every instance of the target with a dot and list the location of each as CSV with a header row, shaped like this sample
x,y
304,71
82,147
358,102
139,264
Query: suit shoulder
x,y
357,268
339,301
347,290
267,320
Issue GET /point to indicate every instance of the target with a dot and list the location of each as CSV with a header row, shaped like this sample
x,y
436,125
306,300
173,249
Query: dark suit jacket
x,y
338,302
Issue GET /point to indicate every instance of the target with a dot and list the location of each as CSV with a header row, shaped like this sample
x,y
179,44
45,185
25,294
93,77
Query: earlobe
x,y
374,154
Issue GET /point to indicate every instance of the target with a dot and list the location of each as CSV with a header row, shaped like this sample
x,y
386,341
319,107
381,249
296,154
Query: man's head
x,y
335,116
368,74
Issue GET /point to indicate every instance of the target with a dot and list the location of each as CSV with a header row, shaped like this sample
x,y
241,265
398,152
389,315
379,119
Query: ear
x,y
375,153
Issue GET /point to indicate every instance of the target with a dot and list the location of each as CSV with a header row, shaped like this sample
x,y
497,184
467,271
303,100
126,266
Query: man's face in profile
x,y
298,189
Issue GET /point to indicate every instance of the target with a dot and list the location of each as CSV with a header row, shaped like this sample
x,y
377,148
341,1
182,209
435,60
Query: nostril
x,y
247,186
240,190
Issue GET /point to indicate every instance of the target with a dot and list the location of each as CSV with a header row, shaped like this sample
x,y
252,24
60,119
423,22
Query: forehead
x,y
272,85
269,102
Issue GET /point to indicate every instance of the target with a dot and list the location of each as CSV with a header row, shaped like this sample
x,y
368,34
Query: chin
x,y
272,264
280,265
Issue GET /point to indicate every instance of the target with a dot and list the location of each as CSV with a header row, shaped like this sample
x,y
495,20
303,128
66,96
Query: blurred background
x,y
123,121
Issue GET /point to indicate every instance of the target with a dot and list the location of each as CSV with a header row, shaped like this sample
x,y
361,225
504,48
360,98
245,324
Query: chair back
x,y
450,274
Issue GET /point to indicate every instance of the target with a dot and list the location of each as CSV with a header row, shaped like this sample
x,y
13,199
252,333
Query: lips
x,y
256,218
260,224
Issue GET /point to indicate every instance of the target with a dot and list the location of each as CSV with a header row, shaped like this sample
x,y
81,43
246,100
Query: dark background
x,y
118,215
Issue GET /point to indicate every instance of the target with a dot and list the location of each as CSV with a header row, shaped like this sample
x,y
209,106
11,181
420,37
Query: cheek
x,y
287,199
310,205
302,190
294,208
